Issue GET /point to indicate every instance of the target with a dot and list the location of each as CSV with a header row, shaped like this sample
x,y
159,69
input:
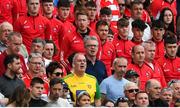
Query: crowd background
x,y
87,53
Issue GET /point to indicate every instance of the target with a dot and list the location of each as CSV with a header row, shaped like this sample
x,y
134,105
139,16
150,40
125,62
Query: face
x,y
171,50
48,7
157,33
121,4
110,37
48,51
84,101
155,90
106,18
82,23
136,11
91,13
134,79
120,67
15,66
56,91
102,31
123,104
131,91
64,12
37,90
167,96
168,17
138,34
123,31
139,54
15,44
91,48
80,64
6,29
109,104
33,7
176,90
58,73
37,48
150,52
35,65
142,100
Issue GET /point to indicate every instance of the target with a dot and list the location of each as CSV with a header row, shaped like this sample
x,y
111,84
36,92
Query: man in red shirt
x,y
33,24
170,62
14,43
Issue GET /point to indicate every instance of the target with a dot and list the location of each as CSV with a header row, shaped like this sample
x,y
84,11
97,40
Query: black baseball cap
x,y
131,73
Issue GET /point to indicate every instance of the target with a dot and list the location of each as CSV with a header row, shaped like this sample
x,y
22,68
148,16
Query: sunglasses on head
x,y
133,90
58,73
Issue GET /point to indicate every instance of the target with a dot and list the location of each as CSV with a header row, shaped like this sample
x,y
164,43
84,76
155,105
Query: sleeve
x,y
17,26
103,87
48,34
98,94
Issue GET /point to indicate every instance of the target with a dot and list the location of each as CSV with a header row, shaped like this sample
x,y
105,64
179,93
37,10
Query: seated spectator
x,y
132,76
167,95
108,103
122,102
141,99
83,99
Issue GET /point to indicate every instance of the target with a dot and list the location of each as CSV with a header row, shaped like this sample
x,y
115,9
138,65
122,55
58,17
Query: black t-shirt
x,y
37,103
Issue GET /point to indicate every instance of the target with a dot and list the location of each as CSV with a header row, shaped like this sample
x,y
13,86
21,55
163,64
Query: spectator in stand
x,y
36,88
167,95
122,7
9,81
33,24
79,81
158,30
108,103
94,67
153,88
83,99
136,13
132,76
138,29
122,102
130,90
5,29
108,53
167,17
110,36
37,45
116,81
14,42
141,99
170,62
138,57
158,74
123,46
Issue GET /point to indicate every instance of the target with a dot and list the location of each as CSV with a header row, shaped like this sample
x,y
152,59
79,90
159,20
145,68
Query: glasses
x,y
58,73
133,90
122,99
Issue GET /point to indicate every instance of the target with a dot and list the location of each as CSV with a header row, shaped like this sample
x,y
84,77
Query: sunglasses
x,y
133,90
58,73
122,99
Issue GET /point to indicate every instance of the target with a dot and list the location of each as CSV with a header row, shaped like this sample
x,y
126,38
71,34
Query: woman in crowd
x,y
83,99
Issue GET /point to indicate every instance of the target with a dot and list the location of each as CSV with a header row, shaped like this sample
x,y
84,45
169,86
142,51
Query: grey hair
x,y
145,43
12,34
75,56
34,55
5,23
166,89
87,38
127,85
39,40
118,59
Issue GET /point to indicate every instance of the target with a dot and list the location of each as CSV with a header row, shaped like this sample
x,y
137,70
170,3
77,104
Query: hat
x,y
131,73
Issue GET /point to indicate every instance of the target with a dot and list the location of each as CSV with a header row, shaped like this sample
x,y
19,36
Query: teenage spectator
x,y
123,46
167,17
153,88
36,88
130,90
108,53
20,97
158,30
167,95
138,29
110,36
170,62
136,13
150,48
83,99
5,29
14,42
116,81
78,80
141,99
94,67
9,81
132,76
122,102
55,95
33,24
108,103
138,57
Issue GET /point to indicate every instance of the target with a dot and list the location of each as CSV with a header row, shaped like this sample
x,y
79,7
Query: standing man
x,y
113,87
33,24
79,81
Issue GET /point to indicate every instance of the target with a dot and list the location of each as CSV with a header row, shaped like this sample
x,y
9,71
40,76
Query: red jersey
x,y
2,67
170,67
32,27
107,55
157,73
160,50
145,73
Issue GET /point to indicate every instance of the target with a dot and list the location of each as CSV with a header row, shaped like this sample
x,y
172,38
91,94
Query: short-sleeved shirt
x,y
113,88
85,83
